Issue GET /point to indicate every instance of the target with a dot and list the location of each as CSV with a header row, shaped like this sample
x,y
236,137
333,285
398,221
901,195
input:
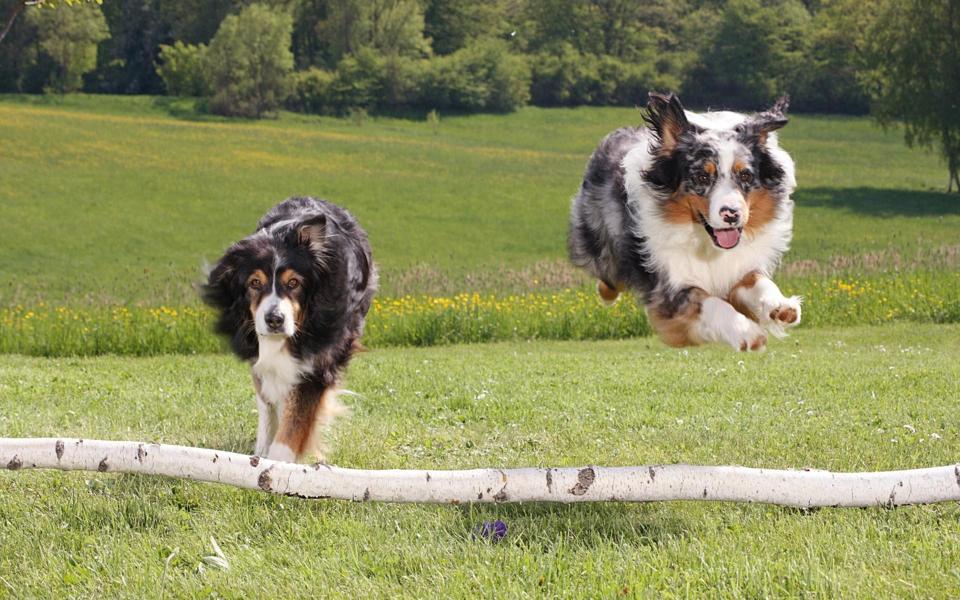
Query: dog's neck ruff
x,y
277,369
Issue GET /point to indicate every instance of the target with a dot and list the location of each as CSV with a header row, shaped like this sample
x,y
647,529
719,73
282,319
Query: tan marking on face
x,y
738,166
685,208
256,294
294,294
678,330
749,280
710,168
762,209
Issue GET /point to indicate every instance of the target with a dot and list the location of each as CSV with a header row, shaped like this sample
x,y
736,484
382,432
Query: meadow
x,y
854,398
112,204
115,203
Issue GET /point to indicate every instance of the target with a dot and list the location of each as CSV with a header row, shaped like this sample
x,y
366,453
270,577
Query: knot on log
x,y
585,478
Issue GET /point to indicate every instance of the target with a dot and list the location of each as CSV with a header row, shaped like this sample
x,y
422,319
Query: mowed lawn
x,y
113,200
845,399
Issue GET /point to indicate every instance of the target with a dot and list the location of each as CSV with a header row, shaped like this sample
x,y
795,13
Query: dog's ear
x,y
666,118
223,284
758,126
312,233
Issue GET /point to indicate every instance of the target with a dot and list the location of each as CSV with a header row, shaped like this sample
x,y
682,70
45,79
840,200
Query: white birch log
x,y
806,489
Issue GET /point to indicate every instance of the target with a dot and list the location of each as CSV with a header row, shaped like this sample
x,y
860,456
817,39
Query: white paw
x,y
745,335
280,452
780,314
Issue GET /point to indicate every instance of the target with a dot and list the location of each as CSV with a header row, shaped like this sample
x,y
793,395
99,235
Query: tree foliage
x,y
913,58
182,69
249,63
69,36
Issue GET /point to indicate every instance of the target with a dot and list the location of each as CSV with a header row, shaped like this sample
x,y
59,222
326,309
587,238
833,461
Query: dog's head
x,y
264,285
721,170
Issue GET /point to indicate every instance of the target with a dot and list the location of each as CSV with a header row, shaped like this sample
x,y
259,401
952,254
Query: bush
x,y
570,78
358,81
249,63
311,91
482,76
181,67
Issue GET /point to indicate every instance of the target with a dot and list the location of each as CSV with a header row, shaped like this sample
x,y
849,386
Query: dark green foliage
x,y
569,78
827,81
182,69
749,54
452,24
358,81
249,62
399,54
389,26
69,36
482,76
913,58
311,91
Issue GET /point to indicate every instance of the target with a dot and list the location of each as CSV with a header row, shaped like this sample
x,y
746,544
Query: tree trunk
x,y
804,489
17,9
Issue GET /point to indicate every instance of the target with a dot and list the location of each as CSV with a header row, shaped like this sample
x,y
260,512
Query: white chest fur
x,y
277,370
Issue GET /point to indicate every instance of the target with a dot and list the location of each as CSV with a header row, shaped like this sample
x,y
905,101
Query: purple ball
x,y
492,530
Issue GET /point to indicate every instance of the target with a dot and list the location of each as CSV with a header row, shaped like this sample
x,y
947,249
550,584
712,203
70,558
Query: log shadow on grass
x,y
877,202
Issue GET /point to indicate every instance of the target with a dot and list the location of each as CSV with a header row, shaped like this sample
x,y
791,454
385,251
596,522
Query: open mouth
x,y
723,238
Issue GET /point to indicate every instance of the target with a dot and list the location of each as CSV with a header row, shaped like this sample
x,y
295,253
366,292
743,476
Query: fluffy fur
x,y
292,299
693,211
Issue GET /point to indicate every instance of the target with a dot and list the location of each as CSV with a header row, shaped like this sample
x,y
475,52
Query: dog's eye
x,y
703,178
255,284
293,284
746,176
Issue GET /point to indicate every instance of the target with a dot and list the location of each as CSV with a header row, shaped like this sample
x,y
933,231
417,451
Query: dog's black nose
x,y
729,215
274,320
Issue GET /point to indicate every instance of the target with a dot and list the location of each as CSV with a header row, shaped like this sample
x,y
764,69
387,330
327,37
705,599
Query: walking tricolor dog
x,y
693,212
292,299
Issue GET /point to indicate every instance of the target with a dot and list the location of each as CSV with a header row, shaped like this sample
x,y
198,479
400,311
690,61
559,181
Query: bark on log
x,y
805,489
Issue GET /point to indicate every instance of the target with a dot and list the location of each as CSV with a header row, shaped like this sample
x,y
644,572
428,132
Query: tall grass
x,y
574,314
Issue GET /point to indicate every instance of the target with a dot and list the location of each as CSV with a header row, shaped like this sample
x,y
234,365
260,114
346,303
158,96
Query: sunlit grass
x,y
845,399
421,320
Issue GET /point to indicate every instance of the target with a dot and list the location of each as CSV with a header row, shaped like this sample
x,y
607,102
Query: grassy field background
x,y
843,399
114,203
111,204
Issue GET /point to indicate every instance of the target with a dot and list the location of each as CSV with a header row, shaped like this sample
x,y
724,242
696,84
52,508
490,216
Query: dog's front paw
x,y
778,316
746,335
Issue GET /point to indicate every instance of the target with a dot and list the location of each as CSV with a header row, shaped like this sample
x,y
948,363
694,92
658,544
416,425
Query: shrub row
x,y
484,76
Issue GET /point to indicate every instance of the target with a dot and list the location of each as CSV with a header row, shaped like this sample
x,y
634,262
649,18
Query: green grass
x,y
118,200
866,398
137,198
430,320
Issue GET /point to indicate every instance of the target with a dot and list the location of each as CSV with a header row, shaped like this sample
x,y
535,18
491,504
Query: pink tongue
x,y
727,238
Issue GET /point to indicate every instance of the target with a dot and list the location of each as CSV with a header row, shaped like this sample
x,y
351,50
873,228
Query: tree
x,y
392,27
451,24
749,54
249,63
181,68
69,35
20,5
913,58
